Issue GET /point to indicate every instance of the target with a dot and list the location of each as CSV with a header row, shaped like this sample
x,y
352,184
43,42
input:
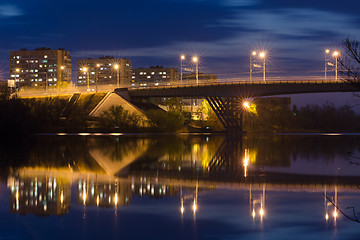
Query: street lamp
x,y
251,62
60,76
196,61
182,58
263,55
96,76
336,55
117,68
327,51
17,71
86,71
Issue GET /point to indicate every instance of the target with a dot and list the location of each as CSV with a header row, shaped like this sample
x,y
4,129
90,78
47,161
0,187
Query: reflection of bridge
x,y
225,98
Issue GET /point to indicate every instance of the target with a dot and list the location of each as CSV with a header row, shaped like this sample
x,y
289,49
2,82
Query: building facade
x,y
154,75
104,70
42,67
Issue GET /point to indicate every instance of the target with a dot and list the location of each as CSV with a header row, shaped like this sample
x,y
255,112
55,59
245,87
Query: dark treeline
x,y
270,116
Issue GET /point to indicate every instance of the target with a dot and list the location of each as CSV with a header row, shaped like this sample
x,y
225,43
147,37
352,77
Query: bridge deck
x,y
241,88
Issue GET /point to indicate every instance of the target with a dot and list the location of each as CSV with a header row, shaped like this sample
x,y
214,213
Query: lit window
x,y
40,66
152,73
109,64
80,69
18,57
44,61
18,62
45,56
80,77
127,65
51,70
164,72
133,77
163,76
141,73
36,70
160,73
148,76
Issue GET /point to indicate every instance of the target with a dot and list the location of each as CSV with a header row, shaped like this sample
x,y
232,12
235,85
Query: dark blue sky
x,y
222,32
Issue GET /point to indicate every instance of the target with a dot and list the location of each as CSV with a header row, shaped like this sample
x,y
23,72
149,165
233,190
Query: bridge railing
x,y
225,82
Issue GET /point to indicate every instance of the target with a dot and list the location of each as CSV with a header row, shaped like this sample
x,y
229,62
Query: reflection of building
x,y
153,190
154,75
36,67
39,196
103,70
104,194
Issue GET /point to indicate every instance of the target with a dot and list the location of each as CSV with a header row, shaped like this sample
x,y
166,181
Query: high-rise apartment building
x,y
104,70
154,75
40,67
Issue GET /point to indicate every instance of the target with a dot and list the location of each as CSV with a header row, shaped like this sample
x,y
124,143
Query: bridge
x,y
225,97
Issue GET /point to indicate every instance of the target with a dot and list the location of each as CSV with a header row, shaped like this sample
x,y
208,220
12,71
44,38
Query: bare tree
x,y
350,62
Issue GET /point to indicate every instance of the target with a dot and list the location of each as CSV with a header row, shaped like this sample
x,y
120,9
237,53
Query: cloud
x,y
239,3
8,10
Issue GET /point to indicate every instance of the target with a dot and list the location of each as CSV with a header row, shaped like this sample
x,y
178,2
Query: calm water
x,y
180,187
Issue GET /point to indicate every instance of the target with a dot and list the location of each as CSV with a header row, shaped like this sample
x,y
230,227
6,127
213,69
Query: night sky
x,y
221,32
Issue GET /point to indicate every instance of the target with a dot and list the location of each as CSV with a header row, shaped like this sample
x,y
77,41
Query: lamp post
x,y
263,55
17,71
60,77
117,68
182,58
86,71
336,55
196,61
251,63
327,51
96,76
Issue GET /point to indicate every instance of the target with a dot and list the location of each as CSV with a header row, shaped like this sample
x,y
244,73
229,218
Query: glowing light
x,y
336,54
194,206
335,214
182,209
195,59
85,69
254,53
182,57
62,197
262,55
246,104
327,217
116,66
62,67
327,51
116,199
97,200
253,213
262,212
98,65
17,70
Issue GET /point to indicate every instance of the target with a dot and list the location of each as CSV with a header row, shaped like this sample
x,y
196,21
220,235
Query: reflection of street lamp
x,y
117,68
251,62
263,55
196,61
182,58
336,55
86,71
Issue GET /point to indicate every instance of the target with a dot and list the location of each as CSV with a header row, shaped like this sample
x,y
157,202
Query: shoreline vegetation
x,y
24,116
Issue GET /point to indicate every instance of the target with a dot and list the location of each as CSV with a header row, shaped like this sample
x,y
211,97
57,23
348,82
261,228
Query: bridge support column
x,y
229,112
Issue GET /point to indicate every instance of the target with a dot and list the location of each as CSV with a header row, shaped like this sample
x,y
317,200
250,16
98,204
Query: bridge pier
x,y
229,112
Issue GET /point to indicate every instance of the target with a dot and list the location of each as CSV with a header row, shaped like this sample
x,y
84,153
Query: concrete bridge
x,y
225,98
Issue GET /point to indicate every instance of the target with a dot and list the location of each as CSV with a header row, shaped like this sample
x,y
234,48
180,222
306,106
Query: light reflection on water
x,y
198,187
